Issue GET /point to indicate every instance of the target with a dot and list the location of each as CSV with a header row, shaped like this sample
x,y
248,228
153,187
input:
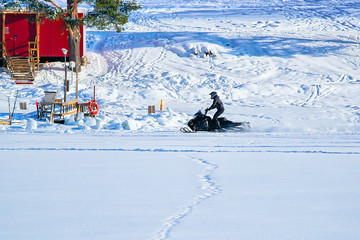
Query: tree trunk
x,y
74,36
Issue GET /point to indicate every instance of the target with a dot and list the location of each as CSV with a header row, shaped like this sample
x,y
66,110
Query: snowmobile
x,y
201,122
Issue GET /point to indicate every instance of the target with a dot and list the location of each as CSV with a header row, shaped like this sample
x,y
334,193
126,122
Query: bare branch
x,y
56,5
74,8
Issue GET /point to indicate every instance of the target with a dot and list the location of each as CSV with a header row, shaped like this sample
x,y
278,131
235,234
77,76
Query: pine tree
x,y
102,14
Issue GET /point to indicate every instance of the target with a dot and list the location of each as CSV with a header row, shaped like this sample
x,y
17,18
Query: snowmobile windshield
x,y
199,113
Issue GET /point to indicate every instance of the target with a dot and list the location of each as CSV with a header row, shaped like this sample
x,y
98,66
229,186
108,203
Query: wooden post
x,y
94,94
77,82
51,118
77,111
23,106
37,39
9,111
162,105
151,109
3,33
2,26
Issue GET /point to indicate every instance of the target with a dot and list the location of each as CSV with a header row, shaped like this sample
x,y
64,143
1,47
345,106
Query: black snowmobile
x,y
201,122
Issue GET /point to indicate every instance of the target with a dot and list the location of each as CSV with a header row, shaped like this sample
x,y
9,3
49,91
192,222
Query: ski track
x,y
317,93
207,184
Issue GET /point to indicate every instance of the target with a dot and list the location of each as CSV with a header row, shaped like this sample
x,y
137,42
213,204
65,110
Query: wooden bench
x,y
66,108
56,109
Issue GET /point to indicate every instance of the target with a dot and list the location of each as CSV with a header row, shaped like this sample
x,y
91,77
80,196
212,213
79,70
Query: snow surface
x,y
290,68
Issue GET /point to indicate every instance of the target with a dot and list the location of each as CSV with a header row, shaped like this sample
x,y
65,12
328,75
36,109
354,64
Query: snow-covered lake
x,y
171,186
290,68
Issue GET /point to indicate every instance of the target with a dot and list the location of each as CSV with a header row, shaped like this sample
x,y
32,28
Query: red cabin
x,y
17,31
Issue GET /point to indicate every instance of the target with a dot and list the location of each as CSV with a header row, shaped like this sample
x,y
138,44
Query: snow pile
x,y
163,120
31,125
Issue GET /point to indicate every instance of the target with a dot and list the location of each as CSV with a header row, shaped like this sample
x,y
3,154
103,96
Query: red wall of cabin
x,y
18,32
53,36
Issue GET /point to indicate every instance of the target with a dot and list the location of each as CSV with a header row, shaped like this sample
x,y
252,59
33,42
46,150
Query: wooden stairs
x,y
22,69
22,72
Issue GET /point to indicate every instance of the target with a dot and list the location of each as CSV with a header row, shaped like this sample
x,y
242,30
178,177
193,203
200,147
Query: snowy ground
x,y
176,186
290,68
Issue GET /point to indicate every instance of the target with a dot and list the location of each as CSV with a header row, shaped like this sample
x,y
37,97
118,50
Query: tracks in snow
x,y
317,92
207,184
129,64
293,149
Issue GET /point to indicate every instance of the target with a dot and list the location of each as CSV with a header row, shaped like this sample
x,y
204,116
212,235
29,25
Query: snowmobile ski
x,y
186,130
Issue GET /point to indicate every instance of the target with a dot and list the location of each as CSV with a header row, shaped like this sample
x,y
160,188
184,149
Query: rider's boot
x,y
217,124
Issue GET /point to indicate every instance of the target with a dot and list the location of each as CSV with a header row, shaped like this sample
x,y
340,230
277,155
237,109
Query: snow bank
x,y
31,125
160,121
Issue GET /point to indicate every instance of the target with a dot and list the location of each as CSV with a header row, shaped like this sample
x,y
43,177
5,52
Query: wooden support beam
x,y
3,33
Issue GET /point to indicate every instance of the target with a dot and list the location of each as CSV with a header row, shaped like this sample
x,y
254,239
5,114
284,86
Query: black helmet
x,y
213,95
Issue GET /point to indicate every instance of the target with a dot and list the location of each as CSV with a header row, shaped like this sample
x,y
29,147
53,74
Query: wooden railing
x,y
34,57
6,55
32,65
22,69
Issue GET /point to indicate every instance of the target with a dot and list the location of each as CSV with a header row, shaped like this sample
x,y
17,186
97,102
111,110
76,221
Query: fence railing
x,y
34,57
6,56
